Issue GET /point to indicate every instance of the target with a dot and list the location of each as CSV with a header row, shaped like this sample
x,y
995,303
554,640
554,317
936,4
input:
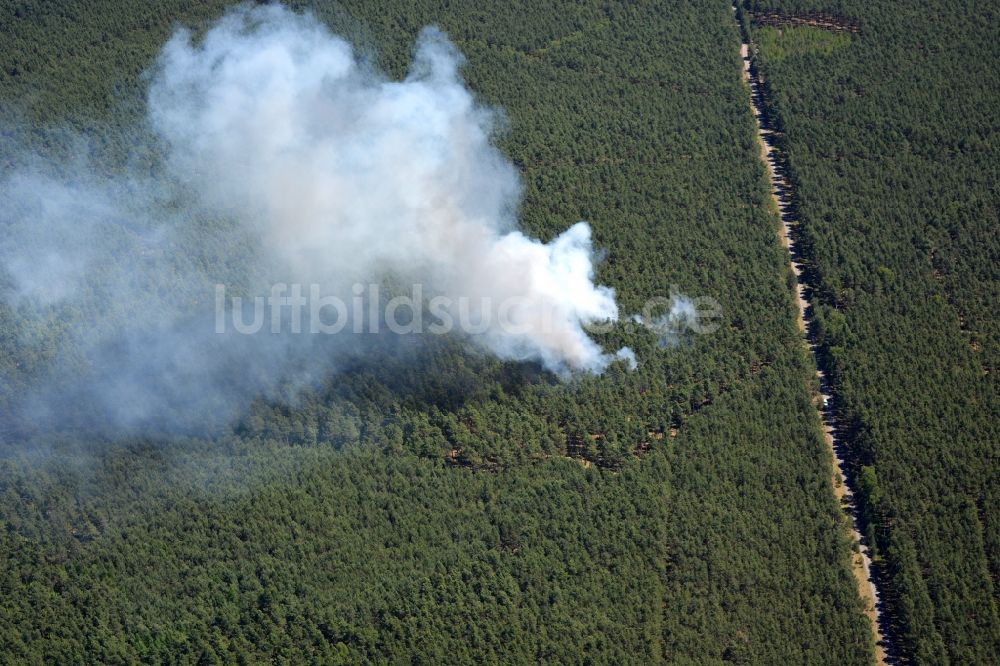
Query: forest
x,y
432,504
889,134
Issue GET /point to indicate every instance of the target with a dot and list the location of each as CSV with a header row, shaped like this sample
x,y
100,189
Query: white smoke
x,y
670,326
348,176
285,159
627,355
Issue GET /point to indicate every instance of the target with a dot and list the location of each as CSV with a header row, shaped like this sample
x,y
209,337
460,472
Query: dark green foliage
x,y
439,506
893,147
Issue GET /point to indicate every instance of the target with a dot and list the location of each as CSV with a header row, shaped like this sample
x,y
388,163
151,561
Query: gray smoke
x,y
285,159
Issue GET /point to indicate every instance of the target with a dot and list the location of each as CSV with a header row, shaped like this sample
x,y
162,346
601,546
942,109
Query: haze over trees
x,y
431,504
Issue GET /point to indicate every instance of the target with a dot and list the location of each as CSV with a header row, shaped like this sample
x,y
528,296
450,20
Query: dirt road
x,y
825,403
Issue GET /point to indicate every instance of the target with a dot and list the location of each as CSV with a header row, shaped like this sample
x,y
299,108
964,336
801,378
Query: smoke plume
x,y
285,158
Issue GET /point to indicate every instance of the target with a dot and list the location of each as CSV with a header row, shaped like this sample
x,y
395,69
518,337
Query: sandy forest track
x,y
861,564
